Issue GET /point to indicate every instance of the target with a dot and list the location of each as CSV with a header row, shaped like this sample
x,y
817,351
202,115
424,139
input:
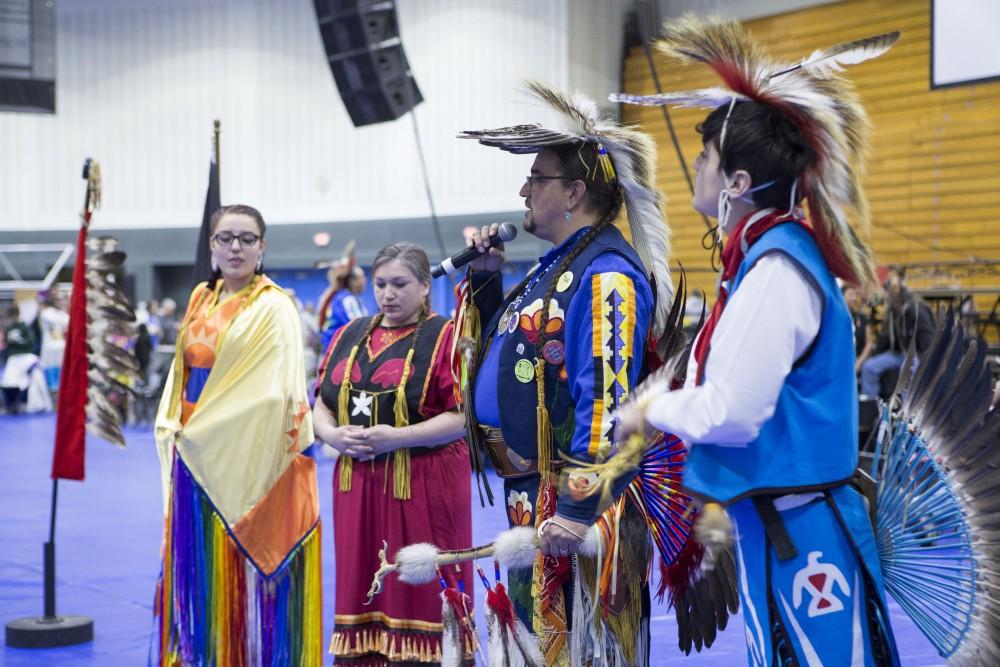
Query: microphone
x,y
506,232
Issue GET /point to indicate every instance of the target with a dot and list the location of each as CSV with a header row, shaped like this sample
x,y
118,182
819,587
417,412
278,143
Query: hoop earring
x,y
711,240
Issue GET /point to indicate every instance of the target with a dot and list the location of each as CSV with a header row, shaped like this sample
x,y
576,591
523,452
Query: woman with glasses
x,y
387,404
240,582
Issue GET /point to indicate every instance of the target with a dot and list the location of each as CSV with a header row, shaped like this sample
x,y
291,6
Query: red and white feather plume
x,y
823,106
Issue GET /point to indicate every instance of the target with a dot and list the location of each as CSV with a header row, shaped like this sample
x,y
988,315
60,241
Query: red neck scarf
x,y
732,257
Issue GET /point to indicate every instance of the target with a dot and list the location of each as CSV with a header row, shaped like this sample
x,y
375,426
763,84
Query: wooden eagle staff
x,y
95,366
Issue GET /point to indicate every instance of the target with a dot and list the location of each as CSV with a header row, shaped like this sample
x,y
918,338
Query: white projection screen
x,y
964,44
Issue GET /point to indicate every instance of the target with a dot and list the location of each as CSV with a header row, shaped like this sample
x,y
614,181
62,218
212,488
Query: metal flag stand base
x,y
41,632
50,630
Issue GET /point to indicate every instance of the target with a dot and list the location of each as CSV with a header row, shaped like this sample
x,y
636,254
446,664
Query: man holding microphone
x,y
560,352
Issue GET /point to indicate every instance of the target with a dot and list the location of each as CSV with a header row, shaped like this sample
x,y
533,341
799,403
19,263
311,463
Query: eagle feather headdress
x,y
822,105
632,156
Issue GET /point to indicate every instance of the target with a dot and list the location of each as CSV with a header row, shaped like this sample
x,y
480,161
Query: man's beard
x,y
528,223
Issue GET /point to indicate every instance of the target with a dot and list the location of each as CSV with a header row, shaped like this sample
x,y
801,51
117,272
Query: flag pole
x,y
51,630
217,129
203,252
50,559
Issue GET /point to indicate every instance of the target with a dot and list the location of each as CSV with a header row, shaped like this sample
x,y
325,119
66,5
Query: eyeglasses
x,y
533,180
246,239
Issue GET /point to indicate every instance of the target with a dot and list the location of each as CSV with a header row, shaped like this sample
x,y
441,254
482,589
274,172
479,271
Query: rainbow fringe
x,y
215,607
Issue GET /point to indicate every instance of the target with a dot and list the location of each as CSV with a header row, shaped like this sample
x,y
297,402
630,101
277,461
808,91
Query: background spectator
x,y
906,317
20,361
53,321
168,321
143,350
153,323
864,330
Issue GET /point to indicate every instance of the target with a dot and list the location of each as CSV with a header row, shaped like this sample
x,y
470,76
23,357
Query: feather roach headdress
x,y
626,159
822,105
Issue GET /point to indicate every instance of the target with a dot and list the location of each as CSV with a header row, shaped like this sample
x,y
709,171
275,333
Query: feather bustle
x,y
938,485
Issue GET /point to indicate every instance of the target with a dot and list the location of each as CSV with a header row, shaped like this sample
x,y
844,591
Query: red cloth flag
x,y
67,456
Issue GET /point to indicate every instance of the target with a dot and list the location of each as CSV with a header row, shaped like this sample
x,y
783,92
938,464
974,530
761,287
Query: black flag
x,y
203,256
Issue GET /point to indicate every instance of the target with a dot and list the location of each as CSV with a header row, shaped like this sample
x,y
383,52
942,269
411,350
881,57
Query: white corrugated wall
x,y
139,82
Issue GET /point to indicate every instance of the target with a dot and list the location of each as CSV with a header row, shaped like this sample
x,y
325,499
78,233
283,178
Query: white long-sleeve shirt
x,y
767,324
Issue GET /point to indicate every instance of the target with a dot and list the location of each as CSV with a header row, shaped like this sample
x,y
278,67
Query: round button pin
x,y
514,319
504,319
554,352
524,371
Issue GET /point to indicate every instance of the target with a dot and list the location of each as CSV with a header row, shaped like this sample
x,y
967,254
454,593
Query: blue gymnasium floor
x,y
108,540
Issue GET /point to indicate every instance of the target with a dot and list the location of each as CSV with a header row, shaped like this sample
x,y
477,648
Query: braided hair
x,y
588,163
415,259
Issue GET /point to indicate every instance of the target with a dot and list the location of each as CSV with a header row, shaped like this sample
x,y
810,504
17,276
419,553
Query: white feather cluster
x,y
592,543
516,548
417,563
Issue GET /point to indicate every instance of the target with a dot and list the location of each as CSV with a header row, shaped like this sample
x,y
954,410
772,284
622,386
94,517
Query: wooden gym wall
x,y
934,172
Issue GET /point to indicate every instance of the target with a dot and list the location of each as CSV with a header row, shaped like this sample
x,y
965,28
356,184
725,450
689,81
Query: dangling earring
x,y
215,264
791,198
568,217
260,262
724,208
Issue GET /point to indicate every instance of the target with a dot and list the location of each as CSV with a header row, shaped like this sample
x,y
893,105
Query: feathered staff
x,y
823,106
96,365
511,644
418,563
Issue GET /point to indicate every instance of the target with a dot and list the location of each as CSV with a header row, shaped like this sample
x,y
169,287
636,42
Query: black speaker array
x,y
361,38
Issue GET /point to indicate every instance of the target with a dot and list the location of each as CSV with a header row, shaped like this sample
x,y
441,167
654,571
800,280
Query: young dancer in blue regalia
x,y
770,406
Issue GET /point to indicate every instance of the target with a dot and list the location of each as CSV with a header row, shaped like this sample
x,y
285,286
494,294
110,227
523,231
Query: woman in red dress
x,y
387,404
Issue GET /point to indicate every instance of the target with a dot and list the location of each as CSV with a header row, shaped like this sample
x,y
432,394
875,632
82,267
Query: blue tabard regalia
x,y
809,570
601,295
